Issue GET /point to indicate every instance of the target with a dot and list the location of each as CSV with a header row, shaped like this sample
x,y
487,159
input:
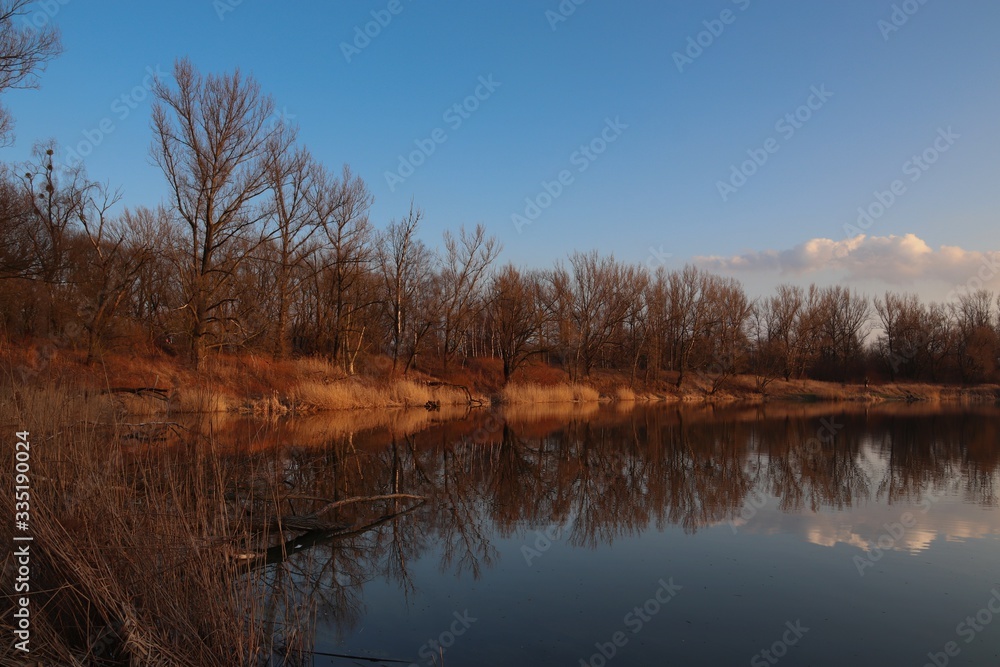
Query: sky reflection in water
x,y
553,538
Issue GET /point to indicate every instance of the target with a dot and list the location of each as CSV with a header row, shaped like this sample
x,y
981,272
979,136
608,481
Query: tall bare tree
x,y
598,295
56,201
157,288
845,316
24,52
405,267
116,257
780,313
976,339
727,336
466,261
903,336
212,135
515,315
16,227
291,225
690,295
341,207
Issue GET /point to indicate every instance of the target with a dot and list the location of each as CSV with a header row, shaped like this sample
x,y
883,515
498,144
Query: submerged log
x,y
279,553
315,521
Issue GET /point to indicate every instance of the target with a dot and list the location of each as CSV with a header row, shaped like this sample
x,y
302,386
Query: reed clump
x,y
555,393
132,558
625,394
311,395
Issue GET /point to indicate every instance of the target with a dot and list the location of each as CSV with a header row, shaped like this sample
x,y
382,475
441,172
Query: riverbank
x,y
156,383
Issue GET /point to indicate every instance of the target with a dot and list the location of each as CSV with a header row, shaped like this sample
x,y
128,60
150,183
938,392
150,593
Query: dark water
x,y
823,535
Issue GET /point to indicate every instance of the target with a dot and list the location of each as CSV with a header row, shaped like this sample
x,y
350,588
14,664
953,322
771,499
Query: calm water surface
x,y
823,535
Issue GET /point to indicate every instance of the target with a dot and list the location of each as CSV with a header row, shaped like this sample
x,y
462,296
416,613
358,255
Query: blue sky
x,y
560,82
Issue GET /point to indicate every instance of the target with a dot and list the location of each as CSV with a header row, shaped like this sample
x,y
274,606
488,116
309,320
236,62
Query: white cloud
x,y
893,259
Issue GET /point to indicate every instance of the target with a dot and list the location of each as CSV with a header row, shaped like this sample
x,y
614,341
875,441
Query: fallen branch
x,y
151,431
161,394
314,521
311,538
468,394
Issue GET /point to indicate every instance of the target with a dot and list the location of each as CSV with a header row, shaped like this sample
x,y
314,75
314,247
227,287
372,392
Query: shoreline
x,y
258,386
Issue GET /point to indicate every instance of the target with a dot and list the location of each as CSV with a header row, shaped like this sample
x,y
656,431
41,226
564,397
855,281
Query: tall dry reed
x,y
557,393
134,554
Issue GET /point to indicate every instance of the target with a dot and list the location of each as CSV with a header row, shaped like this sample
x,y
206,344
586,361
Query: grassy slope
x,y
258,384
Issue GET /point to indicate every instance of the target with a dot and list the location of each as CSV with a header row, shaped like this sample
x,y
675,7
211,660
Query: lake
x,y
800,534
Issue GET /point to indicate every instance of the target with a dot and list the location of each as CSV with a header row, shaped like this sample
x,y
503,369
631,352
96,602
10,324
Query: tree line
x,y
261,247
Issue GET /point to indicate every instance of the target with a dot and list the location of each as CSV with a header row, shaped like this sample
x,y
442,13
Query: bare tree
x,y
212,138
596,297
515,316
976,339
808,332
16,228
341,206
727,337
157,288
405,267
903,336
844,316
466,261
657,298
636,326
56,203
24,52
690,292
116,258
781,314
291,225
766,362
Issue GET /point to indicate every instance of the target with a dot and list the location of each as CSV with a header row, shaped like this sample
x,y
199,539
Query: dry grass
x,y
351,395
132,552
558,393
263,386
624,394
51,405
201,399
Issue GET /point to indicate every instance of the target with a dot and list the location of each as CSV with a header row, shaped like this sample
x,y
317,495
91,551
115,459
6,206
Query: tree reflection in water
x,y
603,474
